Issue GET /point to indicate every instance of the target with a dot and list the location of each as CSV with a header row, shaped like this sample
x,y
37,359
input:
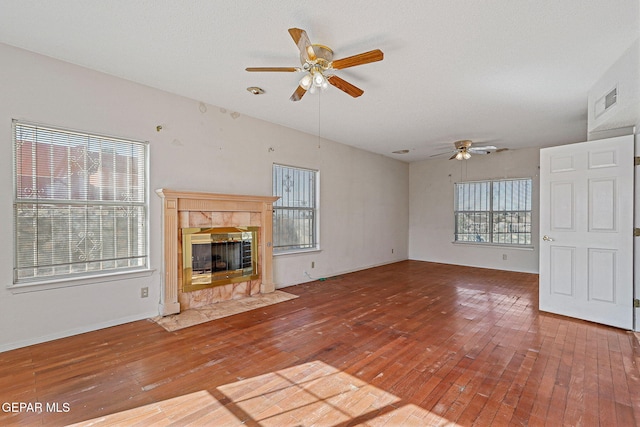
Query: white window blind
x,y
295,212
80,203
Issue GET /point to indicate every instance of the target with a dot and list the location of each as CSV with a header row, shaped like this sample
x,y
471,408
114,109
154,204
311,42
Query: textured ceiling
x,y
512,73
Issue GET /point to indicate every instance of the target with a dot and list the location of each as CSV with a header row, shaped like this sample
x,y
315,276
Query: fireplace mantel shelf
x,y
175,201
166,193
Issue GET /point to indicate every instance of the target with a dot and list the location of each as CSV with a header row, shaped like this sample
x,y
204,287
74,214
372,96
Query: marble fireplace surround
x,y
182,209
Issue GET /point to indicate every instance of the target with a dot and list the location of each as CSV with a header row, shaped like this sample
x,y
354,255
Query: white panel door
x,y
586,231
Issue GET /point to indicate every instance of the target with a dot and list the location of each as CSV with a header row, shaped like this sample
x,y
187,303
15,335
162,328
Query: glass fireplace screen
x,y
218,256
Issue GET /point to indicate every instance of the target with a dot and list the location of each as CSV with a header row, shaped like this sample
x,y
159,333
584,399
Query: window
x,y
295,212
493,212
80,204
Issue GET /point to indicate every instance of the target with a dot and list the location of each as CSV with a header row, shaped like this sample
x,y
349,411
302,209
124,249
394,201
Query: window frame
x,y
491,212
315,244
70,278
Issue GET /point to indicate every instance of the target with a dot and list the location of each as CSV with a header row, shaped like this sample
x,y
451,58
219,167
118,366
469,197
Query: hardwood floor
x,y
412,343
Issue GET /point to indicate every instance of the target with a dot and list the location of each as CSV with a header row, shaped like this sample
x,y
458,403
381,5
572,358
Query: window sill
x,y
297,252
497,245
45,285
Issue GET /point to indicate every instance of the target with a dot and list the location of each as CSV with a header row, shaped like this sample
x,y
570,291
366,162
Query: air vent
x,y
610,98
606,102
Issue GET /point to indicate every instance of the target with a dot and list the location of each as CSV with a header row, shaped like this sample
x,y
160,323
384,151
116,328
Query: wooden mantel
x,y
178,201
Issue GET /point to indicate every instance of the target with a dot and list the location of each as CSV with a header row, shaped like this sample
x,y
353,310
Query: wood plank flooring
x,y
411,343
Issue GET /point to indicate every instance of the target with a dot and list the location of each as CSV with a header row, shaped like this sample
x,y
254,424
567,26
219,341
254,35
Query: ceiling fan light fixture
x,y
305,81
463,155
319,80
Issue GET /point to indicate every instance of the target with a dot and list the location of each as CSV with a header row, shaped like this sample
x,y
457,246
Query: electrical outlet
x,y
504,257
391,250
313,264
144,292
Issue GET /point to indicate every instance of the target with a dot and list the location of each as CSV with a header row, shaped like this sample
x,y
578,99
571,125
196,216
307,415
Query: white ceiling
x,y
512,73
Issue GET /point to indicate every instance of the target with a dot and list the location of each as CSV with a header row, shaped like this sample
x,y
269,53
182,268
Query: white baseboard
x,y
75,331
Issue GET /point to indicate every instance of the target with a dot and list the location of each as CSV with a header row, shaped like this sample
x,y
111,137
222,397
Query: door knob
x,y
547,238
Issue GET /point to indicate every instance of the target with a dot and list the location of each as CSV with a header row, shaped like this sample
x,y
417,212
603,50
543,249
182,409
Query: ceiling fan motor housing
x,y
324,57
463,144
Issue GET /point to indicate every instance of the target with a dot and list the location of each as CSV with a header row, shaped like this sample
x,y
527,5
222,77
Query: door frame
x,y
636,240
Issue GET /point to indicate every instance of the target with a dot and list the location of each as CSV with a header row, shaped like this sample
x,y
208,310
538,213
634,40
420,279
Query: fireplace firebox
x,y
218,256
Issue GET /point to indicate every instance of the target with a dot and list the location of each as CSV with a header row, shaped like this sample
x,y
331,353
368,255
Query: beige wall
x,y
431,209
364,196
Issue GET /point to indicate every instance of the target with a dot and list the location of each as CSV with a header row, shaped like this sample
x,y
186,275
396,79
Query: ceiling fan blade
x,y
443,153
301,39
285,69
453,157
298,94
362,58
485,148
345,86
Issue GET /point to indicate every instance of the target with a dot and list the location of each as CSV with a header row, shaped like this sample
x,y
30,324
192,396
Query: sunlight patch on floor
x,y
312,393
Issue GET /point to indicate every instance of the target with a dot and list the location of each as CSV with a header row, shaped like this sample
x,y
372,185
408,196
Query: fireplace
x,y
218,256
201,215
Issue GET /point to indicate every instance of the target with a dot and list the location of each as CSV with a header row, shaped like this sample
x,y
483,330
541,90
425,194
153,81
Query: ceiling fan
x,y
317,60
464,149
